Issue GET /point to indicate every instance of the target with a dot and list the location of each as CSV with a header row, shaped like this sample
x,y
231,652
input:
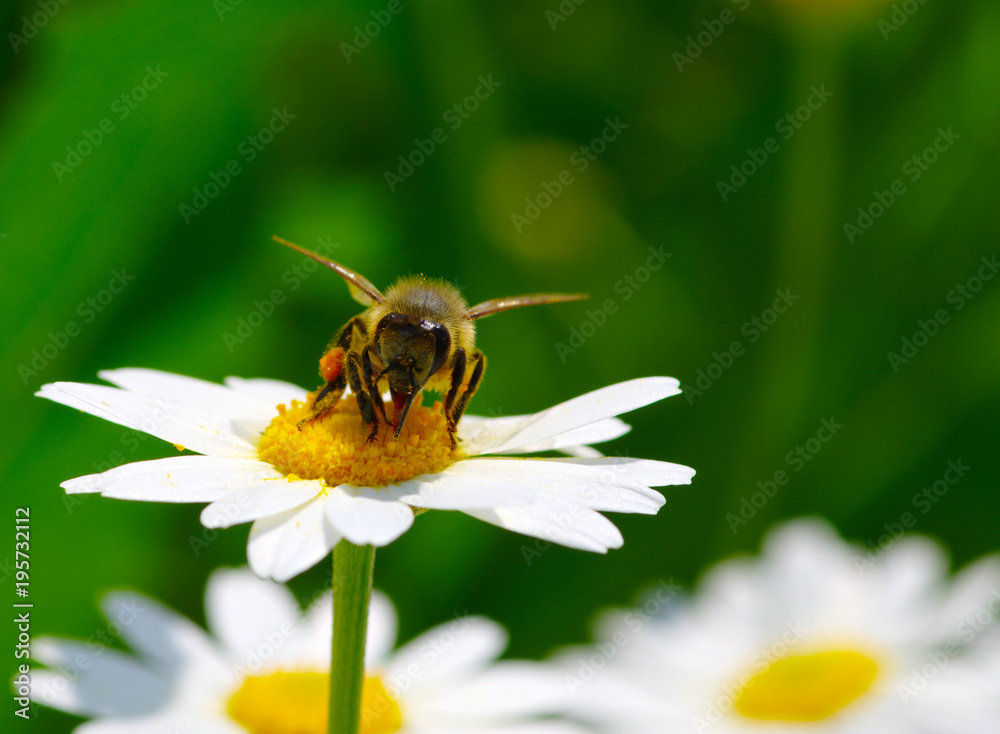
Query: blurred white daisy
x,y
811,638
307,487
263,669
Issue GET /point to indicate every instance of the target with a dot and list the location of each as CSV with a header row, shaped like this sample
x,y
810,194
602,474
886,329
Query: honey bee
x,y
419,334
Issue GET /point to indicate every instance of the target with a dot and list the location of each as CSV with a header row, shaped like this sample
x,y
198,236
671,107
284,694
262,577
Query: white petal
x,y
382,627
204,396
178,644
558,521
474,430
975,588
168,722
249,614
455,489
94,681
200,431
271,392
310,648
553,726
285,545
608,484
647,472
447,653
599,432
268,496
365,517
175,479
575,414
581,452
507,690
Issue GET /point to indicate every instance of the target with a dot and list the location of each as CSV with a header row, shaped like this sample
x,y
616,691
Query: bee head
x,y
412,349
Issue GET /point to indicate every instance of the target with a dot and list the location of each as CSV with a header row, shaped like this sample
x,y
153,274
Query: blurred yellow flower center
x,y
806,687
335,446
297,703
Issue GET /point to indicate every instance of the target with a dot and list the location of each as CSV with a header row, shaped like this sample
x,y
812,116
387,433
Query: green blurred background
x,y
221,70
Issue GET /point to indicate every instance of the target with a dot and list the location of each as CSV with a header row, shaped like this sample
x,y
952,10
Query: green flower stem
x,y
352,591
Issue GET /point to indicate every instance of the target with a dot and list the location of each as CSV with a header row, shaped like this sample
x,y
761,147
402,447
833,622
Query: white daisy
x,y
307,487
263,669
811,638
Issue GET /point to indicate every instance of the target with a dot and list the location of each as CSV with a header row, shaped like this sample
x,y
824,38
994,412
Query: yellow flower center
x,y
297,703
806,687
335,446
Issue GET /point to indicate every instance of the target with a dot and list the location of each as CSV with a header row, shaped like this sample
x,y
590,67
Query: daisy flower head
x,y
305,486
812,637
262,668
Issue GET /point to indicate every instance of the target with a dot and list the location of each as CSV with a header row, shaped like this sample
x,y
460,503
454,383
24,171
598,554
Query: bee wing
x,y
534,299
361,288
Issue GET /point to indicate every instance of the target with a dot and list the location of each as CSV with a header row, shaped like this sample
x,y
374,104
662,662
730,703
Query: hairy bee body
x,y
432,299
419,334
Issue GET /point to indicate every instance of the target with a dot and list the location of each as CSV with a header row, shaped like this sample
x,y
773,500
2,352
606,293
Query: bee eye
x,y
442,343
388,321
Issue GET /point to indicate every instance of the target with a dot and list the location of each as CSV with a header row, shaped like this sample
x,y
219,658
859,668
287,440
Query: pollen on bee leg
x,y
330,364
334,447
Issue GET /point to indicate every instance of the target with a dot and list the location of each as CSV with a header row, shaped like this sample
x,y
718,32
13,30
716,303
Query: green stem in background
x,y
352,591
809,229
807,238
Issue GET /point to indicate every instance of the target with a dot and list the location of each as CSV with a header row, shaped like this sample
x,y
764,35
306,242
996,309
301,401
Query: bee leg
x,y
478,367
372,382
327,398
457,376
331,368
354,373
